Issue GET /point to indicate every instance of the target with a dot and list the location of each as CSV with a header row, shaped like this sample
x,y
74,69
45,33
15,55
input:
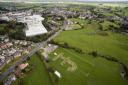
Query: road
x,y
37,48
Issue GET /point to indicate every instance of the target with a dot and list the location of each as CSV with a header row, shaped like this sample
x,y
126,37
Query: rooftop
x,y
34,25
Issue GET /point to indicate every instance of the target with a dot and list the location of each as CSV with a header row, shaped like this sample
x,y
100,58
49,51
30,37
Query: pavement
x,y
38,46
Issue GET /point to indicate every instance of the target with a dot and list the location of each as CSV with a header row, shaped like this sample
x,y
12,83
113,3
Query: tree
x,y
100,27
66,45
94,53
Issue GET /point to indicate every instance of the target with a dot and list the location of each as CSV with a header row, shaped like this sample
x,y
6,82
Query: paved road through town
x,y
37,47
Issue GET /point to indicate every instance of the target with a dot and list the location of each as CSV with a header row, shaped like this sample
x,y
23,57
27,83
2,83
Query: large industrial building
x,y
34,25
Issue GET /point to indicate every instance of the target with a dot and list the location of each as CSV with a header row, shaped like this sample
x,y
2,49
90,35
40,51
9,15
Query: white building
x,y
34,25
4,18
57,74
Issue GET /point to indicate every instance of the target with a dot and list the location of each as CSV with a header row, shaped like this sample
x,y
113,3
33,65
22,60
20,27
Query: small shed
x,y
57,74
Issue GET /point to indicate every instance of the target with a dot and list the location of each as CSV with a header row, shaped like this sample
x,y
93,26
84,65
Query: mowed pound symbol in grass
x,y
66,60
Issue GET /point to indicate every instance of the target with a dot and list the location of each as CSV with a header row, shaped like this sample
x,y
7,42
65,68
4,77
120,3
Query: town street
x,y
37,48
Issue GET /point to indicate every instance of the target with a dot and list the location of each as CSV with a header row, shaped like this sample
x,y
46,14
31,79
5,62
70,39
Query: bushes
x,y
107,57
28,69
93,53
102,33
100,27
38,38
13,29
110,58
65,45
124,71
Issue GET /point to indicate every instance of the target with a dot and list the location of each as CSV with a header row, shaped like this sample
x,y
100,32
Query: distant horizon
x,y
63,0
103,0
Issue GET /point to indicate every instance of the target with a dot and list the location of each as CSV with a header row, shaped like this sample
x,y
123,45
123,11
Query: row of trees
x,y
124,68
65,45
12,29
16,31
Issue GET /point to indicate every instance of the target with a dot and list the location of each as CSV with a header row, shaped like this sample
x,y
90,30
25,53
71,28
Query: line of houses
x,y
12,49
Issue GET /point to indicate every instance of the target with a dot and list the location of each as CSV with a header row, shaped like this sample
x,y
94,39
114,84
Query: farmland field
x,y
92,48
91,70
89,39
38,76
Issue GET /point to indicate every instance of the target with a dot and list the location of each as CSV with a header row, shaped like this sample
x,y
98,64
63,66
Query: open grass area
x,y
88,40
106,25
38,76
75,26
109,14
81,21
89,71
125,11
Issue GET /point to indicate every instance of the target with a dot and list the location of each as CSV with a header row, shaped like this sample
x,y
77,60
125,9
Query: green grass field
x,y
90,71
88,40
106,25
38,76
